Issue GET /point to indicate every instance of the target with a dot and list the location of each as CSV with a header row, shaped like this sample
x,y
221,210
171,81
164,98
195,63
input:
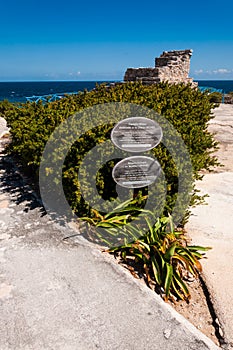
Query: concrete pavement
x,y
212,224
58,295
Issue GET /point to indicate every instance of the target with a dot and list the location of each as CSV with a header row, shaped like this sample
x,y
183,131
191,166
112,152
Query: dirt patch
x,y
197,311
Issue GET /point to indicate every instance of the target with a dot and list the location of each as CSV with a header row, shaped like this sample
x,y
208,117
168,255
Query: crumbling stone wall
x,y
171,66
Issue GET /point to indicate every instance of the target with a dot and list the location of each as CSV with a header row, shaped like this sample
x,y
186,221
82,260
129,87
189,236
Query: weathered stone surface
x,y
211,225
171,66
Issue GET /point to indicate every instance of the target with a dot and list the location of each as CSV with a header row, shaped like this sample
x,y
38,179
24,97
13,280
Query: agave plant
x,y
116,224
163,251
166,258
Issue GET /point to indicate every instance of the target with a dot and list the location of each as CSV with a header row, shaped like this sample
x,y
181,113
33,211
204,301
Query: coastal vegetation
x,y
187,109
216,97
164,254
157,250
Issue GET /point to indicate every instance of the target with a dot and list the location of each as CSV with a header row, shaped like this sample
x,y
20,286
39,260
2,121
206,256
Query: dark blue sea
x,y
18,91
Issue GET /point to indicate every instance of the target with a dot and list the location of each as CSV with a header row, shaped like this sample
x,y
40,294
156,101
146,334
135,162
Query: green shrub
x,y
215,97
187,109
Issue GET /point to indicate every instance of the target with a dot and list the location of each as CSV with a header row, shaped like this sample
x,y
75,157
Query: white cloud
x,y
219,73
222,71
198,71
74,74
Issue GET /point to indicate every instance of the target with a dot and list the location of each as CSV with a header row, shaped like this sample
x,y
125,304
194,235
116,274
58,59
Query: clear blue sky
x,y
98,40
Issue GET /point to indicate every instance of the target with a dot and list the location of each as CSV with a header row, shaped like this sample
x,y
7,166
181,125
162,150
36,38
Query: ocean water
x,y
225,85
18,91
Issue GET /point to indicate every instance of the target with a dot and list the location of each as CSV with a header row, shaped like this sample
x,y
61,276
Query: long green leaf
x,y
145,245
170,251
196,248
176,291
182,285
156,270
185,252
168,279
186,263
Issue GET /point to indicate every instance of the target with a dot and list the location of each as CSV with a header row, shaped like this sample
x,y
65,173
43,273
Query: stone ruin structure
x,y
171,66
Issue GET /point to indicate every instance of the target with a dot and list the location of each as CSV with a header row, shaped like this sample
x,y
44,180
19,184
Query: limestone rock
x,y
171,66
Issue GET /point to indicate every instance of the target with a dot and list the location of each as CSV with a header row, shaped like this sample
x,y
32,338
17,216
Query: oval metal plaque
x,y
136,172
136,134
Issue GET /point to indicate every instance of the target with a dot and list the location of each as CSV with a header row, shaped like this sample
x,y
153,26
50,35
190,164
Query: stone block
x,y
171,66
